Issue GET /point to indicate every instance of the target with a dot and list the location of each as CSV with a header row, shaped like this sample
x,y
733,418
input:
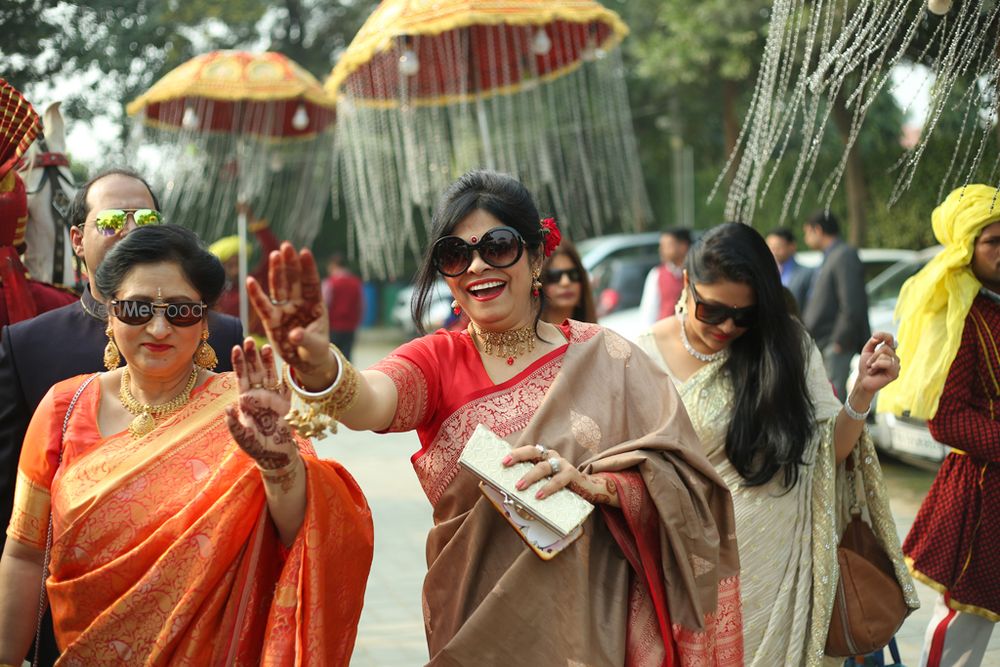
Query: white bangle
x,y
322,393
854,414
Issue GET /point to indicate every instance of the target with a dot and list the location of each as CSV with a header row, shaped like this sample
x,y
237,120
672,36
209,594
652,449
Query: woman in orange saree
x,y
177,542
654,578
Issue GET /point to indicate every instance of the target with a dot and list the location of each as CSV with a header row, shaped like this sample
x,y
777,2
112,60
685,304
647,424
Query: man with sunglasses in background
x,y
69,341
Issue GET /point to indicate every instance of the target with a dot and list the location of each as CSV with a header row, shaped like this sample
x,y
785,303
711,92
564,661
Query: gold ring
x,y
256,385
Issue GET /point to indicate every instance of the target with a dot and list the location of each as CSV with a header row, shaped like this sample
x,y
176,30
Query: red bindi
x,y
475,239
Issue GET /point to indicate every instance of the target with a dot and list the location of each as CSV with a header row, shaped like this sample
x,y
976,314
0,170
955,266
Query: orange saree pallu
x,y
654,583
163,552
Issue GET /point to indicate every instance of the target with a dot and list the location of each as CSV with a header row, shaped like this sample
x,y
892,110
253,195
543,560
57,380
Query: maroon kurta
x,y
955,539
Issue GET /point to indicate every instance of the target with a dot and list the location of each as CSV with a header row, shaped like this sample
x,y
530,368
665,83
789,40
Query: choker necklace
x,y
146,415
509,344
700,356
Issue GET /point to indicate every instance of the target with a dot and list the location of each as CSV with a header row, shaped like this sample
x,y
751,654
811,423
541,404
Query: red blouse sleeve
x,y
414,368
963,419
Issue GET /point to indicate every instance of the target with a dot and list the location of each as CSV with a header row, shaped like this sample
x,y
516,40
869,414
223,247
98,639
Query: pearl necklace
x,y
510,343
700,356
145,414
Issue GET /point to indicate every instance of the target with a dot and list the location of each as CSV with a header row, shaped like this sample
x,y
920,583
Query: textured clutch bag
x,y
562,513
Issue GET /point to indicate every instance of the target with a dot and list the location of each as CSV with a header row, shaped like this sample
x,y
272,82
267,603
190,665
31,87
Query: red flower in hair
x,y
551,234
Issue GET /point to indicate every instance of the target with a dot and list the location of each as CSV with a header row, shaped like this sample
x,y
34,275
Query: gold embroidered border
x,y
942,589
29,522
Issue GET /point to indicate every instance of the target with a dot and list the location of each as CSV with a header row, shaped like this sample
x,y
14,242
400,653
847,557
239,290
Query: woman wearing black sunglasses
x,y
754,385
163,498
653,573
566,293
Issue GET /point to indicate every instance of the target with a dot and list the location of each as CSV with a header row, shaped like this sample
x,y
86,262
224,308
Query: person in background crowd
x,y
753,383
664,282
794,276
653,579
21,297
566,292
836,310
180,518
38,353
344,299
227,249
950,348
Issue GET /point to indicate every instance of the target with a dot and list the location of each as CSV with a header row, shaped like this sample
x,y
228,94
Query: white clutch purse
x,y
547,525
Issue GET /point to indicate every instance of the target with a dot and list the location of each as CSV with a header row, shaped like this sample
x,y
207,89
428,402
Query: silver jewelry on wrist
x,y
854,414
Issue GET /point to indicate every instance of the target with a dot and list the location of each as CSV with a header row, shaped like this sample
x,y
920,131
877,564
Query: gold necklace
x,y
509,344
145,414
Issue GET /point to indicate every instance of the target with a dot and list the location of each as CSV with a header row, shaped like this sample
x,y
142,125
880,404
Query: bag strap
x,y
852,471
42,595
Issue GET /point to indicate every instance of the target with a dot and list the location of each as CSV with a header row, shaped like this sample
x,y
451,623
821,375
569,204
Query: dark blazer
x,y
799,283
836,310
54,346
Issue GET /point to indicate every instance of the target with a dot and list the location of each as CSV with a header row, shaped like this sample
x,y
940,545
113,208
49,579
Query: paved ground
x,y
391,631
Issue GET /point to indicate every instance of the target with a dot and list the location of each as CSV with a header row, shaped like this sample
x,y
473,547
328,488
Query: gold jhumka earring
x,y
205,356
112,357
536,284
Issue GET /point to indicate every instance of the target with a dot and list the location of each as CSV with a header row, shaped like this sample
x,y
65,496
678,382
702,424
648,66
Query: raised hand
x,y
257,421
294,316
878,365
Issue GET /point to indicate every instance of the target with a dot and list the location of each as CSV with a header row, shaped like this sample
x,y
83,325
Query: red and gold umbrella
x,y
232,127
449,51
431,88
266,94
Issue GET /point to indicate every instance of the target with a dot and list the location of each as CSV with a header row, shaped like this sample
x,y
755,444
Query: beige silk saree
x,y
788,539
662,566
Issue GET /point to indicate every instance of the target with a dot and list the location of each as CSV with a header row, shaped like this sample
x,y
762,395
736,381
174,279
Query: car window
x,y
887,285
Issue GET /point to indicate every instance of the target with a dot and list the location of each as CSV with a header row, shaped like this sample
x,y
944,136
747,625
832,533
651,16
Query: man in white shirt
x,y
666,280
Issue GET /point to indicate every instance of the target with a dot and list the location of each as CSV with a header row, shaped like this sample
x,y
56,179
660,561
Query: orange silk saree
x,y
163,552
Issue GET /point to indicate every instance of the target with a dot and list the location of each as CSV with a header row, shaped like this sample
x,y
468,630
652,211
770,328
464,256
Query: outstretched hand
x,y
294,316
257,421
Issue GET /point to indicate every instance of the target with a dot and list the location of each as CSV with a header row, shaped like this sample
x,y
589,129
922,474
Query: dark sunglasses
x,y
179,313
713,313
500,247
552,276
112,221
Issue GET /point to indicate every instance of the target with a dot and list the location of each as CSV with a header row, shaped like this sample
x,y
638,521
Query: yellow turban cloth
x,y
934,303
225,247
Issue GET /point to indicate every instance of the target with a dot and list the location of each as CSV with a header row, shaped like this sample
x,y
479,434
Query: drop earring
x,y
536,284
205,356
112,357
455,308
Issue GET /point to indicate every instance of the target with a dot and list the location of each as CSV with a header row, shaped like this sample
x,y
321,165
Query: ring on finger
x,y
274,387
256,385
554,464
542,449
277,302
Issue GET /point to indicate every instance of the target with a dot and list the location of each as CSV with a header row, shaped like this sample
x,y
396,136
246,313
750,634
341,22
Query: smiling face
x,y
986,257
716,337
564,294
157,349
495,299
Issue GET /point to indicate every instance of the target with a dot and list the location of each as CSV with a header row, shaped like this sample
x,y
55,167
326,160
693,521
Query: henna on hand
x,y
606,491
284,480
246,437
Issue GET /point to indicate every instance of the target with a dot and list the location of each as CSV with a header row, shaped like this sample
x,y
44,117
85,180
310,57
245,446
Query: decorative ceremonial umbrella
x,y
431,88
231,126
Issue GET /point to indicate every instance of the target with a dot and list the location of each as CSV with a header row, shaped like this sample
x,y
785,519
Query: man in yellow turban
x,y
950,355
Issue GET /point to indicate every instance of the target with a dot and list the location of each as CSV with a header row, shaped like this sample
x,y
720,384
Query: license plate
x,y
916,441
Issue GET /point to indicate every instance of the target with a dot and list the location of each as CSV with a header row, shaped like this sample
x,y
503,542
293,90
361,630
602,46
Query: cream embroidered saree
x,y
788,540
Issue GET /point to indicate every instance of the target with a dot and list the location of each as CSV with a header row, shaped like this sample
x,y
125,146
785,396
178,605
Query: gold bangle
x,y
319,411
